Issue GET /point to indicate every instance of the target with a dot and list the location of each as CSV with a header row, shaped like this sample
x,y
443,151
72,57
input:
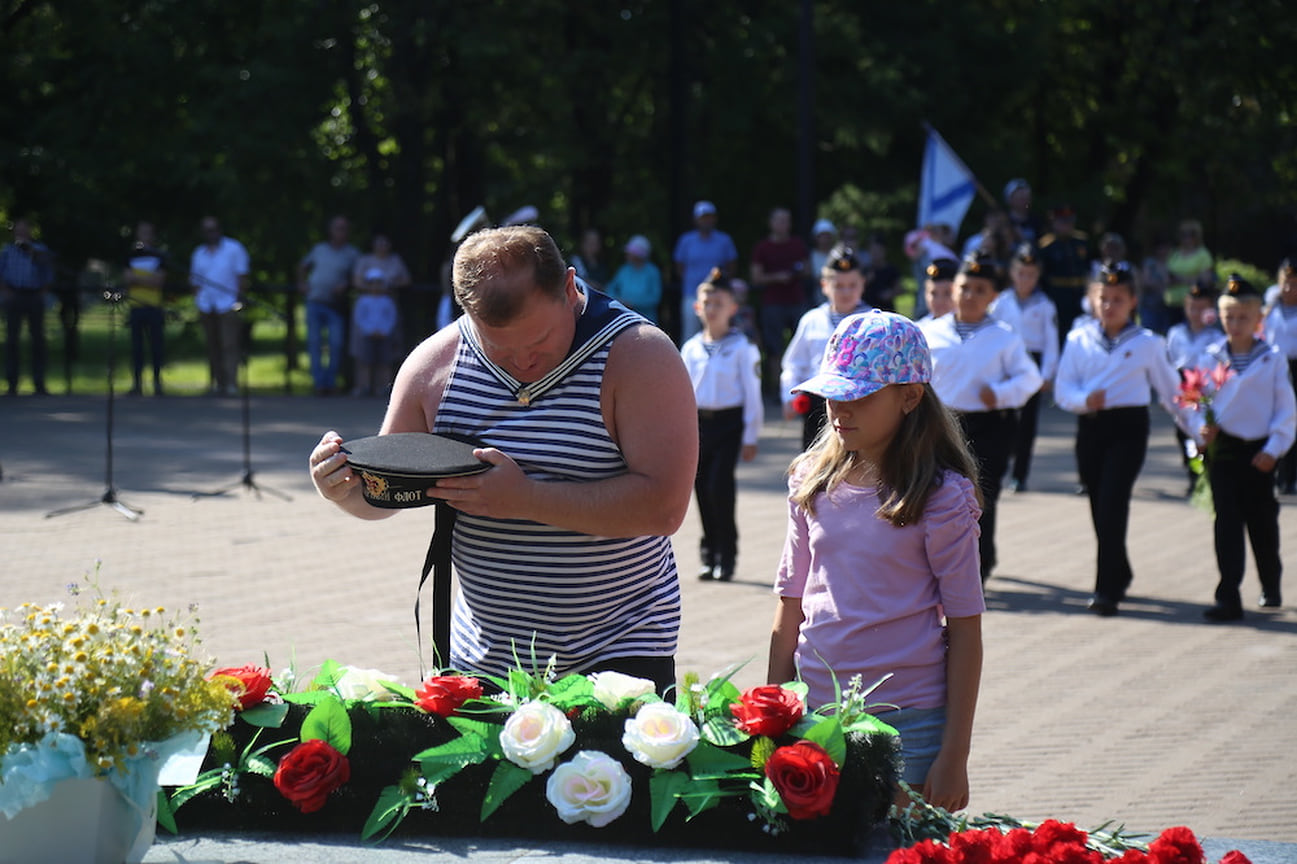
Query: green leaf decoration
x,y
721,694
665,788
267,715
571,691
388,812
763,748
259,764
209,779
446,760
166,816
488,733
328,721
507,779
721,731
709,762
829,735
310,697
329,675
869,724
764,794
399,689
703,796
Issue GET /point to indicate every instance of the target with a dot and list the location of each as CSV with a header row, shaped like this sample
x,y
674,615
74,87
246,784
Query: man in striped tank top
x,y
563,548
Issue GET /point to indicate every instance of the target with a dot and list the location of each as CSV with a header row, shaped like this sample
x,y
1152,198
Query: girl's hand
x,y
1096,400
947,783
1263,462
987,395
749,452
1209,434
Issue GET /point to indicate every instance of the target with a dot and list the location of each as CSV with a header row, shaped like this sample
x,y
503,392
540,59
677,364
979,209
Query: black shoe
x,y
1219,614
706,573
1102,607
1018,486
1270,601
723,572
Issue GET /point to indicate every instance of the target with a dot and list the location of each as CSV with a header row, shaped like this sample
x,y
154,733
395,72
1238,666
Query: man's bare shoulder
x,y
641,346
420,383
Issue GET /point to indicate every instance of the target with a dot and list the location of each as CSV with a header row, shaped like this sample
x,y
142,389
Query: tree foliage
x,y
407,114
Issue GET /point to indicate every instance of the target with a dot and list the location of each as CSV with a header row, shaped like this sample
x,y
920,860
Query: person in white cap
x,y
823,235
697,252
638,282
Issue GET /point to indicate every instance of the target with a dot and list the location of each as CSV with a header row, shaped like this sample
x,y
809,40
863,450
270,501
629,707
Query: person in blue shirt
x,y
26,272
697,253
638,282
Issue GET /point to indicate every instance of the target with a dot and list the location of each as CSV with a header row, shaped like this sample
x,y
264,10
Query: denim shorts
x,y
921,730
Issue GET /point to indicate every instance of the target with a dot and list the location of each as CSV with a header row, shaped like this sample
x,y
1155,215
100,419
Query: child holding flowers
x,y
1248,426
879,576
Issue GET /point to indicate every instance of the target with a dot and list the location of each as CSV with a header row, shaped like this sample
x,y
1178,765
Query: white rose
x,y
610,688
363,684
592,788
659,736
535,735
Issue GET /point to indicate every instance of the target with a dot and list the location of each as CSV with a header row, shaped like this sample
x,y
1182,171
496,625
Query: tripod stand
x,y
109,498
248,480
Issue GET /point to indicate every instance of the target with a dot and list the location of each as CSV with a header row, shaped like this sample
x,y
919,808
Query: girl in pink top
x,y
879,574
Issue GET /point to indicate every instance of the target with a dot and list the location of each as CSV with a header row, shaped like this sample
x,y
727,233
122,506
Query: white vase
x,y
82,821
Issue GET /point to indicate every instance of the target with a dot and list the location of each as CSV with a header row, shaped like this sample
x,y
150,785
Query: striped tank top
x,y
527,590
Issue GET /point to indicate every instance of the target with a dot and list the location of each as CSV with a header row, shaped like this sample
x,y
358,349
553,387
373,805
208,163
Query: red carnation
x,y
1131,856
1013,846
923,852
309,772
974,847
444,694
249,683
768,710
1234,856
802,404
805,777
1176,846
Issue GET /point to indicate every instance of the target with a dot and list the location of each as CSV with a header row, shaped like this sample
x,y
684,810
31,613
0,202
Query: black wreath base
x,y
385,739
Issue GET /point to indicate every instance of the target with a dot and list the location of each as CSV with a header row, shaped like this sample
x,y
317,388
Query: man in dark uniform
x,y
1065,264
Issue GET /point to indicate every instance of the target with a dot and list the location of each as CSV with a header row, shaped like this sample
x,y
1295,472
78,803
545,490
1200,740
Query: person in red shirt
x,y
779,270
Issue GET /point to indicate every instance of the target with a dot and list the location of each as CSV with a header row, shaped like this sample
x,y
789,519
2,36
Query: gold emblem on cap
x,y
375,486
1112,277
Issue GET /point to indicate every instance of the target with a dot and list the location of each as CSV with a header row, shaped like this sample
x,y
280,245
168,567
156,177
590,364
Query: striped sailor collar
x,y
601,318
1220,350
1112,343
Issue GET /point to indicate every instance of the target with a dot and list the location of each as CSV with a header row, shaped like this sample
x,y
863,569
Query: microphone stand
x,y
109,498
248,480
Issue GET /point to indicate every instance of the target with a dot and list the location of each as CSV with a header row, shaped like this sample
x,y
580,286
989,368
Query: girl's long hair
x,y
928,443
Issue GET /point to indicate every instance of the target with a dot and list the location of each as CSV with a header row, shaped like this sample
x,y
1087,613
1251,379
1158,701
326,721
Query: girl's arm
x,y
947,783
783,640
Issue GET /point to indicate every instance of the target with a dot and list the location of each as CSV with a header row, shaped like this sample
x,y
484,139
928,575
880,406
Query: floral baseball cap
x,y
868,351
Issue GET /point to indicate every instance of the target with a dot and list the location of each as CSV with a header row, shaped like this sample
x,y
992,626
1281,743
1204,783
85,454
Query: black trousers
x,y
1287,468
146,328
1025,438
990,435
29,306
1110,450
720,441
1243,498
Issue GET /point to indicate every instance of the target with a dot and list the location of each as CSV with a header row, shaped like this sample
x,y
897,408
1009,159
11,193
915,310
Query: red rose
x,y
249,683
1176,846
768,710
805,778
443,694
1234,856
309,772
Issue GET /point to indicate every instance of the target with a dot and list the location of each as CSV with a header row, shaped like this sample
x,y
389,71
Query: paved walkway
x,y
1151,718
